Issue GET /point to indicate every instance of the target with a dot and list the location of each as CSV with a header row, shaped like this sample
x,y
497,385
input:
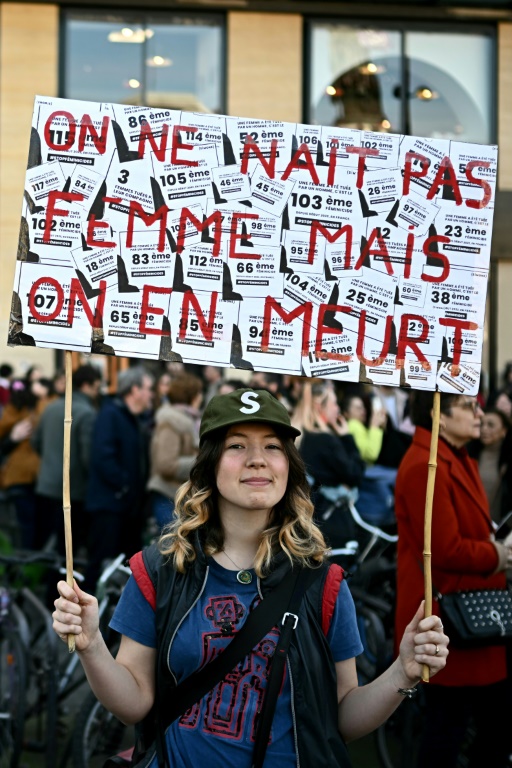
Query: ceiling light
x,y
386,125
158,61
133,83
127,35
425,94
371,69
330,90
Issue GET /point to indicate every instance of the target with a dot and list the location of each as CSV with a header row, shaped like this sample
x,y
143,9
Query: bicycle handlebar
x,y
29,557
378,532
115,565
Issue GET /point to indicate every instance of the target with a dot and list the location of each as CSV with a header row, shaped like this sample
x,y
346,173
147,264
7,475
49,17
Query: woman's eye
x,y
274,446
234,445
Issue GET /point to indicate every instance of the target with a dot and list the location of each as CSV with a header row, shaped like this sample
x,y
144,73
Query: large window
x,y
437,84
165,60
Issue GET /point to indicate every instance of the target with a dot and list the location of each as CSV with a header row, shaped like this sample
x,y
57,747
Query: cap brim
x,y
279,426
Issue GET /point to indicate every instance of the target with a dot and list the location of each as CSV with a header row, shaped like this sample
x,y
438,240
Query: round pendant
x,y
244,577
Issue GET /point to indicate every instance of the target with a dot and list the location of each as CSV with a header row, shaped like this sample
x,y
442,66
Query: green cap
x,y
245,405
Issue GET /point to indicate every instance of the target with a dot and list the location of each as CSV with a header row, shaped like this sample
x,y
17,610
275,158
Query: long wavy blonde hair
x,y
306,416
290,526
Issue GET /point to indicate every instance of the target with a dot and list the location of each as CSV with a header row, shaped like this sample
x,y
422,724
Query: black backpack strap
x,y
289,623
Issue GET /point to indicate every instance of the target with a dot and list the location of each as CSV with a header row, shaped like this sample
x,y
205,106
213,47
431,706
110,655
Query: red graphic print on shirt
x,y
231,709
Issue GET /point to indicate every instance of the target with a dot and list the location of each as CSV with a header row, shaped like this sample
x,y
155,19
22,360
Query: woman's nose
x,y
256,456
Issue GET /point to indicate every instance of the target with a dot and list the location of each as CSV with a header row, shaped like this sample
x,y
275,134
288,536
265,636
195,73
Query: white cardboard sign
x,y
299,249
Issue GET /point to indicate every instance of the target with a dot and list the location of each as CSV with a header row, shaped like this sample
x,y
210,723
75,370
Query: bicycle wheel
x,y
399,738
13,679
98,734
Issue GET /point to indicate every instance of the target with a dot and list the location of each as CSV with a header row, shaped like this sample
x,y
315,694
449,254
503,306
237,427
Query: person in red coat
x,y
465,556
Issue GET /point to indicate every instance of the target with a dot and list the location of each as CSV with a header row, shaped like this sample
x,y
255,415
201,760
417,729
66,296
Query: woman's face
x,y
39,389
464,422
252,473
329,408
504,404
164,384
493,429
356,409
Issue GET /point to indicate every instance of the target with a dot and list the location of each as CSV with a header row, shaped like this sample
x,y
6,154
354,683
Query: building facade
x,y
439,69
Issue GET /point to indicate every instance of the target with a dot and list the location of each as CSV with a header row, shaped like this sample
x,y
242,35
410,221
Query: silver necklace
x,y
243,576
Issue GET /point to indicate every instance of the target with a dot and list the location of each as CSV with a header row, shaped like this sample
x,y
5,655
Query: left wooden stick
x,y
66,491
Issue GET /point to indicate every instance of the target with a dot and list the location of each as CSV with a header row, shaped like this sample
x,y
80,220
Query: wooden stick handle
x,y
427,534
66,491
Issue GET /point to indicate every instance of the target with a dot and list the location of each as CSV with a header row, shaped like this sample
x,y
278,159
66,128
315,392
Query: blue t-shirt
x,y
222,726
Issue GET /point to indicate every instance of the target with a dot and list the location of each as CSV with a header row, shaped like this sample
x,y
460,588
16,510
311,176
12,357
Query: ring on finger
x,y
437,650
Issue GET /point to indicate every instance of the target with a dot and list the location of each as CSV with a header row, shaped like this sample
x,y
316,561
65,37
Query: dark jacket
x,y
332,459
463,557
48,441
119,461
311,667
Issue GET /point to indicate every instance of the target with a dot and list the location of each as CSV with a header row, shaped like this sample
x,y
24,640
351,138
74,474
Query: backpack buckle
x,y
293,616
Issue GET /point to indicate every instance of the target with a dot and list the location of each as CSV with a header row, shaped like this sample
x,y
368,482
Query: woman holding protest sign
x,y
243,567
465,556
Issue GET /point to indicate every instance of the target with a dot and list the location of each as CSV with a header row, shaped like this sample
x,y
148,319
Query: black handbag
x,y
477,618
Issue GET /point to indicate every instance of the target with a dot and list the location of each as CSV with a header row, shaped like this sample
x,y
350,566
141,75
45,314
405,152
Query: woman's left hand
x,y
423,642
340,425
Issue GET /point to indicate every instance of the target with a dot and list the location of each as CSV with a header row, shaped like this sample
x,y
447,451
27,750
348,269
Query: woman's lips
x,y
256,481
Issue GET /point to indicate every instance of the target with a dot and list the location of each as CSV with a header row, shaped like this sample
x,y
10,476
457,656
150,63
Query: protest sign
x,y
229,241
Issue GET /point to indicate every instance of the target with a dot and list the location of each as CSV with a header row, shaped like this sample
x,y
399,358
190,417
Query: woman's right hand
x,y
76,613
21,430
379,418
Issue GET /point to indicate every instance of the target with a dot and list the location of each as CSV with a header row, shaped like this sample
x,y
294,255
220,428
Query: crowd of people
x,y
132,449
134,469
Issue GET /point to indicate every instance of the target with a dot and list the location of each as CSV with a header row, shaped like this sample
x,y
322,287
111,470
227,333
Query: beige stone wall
x,y
265,65
29,45
505,106
264,79
504,313
504,268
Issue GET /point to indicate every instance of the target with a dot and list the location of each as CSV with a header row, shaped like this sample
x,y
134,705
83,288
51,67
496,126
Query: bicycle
x,y
13,679
97,733
370,576
38,666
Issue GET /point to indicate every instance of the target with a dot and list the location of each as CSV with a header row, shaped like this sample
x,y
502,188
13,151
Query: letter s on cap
x,y
247,398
